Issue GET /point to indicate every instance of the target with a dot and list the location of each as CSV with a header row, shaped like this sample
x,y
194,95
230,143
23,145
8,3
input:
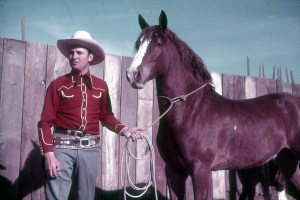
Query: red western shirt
x,y
74,106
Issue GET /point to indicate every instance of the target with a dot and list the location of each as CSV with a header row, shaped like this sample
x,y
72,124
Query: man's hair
x,y
80,46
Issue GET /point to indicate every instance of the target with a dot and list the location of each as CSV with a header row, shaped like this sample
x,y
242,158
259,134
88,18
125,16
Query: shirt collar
x,y
75,75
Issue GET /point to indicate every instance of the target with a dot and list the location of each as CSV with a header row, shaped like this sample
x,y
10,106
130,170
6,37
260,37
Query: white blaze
x,y
140,55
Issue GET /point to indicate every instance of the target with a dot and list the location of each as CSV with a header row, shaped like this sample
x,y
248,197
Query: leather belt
x,y
63,138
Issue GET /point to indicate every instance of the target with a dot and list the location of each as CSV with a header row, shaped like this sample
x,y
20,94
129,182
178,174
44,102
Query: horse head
x,y
148,62
160,51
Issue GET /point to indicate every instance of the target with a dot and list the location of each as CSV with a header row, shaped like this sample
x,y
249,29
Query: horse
x,y
200,130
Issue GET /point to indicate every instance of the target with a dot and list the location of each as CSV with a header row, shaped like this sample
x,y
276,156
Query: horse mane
x,y
188,57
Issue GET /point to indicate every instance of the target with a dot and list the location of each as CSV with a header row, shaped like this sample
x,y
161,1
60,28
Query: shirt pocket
x,y
96,94
67,94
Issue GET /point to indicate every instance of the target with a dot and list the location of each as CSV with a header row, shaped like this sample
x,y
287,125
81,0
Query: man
x,y
69,125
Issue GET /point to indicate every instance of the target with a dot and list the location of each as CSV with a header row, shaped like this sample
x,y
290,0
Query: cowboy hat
x,y
82,38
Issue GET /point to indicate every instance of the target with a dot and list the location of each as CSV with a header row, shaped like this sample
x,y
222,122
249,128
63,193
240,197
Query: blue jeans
x,y
80,165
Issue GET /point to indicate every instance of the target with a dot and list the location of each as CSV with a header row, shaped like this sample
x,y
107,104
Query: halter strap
x,y
182,97
172,101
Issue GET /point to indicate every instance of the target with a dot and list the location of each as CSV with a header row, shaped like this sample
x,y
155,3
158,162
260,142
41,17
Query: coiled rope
x,y
151,176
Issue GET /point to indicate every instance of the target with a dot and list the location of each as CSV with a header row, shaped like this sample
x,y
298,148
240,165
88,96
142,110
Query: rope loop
x,y
151,175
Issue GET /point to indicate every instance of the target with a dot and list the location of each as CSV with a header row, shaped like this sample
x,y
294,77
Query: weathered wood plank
x,y
129,118
160,176
110,142
51,62
284,87
250,87
233,88
296,89
218,177
98,71
1,60
145,107
11,106
31,180
265,86
61,66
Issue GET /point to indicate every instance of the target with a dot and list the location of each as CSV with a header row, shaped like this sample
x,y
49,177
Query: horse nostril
x,y
137,75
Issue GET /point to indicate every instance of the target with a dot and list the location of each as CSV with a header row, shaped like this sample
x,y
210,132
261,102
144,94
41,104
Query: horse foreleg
x,y
295,184
176,182
202,182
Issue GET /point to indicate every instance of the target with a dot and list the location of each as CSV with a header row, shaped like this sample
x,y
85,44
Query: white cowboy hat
x,y
82,38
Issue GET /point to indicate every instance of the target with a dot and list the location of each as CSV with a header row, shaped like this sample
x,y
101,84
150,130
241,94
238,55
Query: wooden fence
x,y
27,68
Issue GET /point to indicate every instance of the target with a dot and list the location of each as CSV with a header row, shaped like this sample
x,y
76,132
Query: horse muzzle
x,y
135,79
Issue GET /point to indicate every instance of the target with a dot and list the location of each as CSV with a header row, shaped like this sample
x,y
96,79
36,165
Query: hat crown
x,y
81,35
82,38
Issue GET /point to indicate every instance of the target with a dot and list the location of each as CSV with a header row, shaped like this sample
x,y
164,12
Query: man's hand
x,y
51,164
133,133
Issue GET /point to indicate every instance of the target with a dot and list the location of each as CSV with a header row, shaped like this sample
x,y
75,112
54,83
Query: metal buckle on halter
x,y
84,142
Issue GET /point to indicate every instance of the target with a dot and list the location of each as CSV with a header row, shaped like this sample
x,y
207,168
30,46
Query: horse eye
x,y
158,42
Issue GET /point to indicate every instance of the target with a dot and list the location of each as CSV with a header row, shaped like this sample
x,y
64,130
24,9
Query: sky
x,y
222,32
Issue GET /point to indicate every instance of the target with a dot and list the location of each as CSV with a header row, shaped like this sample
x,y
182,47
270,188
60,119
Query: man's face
x,y
79,59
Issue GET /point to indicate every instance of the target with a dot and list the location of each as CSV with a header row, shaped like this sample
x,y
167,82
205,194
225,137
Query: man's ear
x,y
91,57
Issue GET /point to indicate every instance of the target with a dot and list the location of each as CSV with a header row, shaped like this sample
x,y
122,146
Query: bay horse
x,y
203,131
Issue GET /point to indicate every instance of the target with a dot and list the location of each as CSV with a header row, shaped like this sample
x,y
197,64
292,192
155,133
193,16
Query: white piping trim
x,y
41,131
66,96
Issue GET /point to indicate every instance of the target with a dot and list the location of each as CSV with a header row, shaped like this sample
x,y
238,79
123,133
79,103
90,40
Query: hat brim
x,y
65,45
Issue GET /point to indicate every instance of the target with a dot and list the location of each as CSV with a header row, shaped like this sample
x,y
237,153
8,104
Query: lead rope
x,y
151,176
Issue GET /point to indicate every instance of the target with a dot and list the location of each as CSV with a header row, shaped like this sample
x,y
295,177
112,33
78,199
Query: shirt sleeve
x,y
106,115
47,119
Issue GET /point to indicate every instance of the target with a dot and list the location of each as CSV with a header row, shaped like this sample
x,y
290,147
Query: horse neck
x,y
177,82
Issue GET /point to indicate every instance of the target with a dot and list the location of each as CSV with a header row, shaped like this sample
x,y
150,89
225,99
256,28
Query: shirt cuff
x,y
119,128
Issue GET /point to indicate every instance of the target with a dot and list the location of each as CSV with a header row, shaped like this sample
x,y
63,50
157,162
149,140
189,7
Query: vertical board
x,y
110,141
145,107
233,88
296,89
218,177
31,180
284,87
11,106
1,60
52,54
129,118
160,177
265,86
98,71
61,66
250,87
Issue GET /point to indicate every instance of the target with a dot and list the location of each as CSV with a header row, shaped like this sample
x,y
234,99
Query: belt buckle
x,y
78,134
84,142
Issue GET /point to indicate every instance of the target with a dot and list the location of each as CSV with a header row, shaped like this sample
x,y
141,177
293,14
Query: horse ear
x,y
142,22
163,21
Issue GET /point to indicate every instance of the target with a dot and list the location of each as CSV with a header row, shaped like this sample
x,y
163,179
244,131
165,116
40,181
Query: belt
x,y
63,138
